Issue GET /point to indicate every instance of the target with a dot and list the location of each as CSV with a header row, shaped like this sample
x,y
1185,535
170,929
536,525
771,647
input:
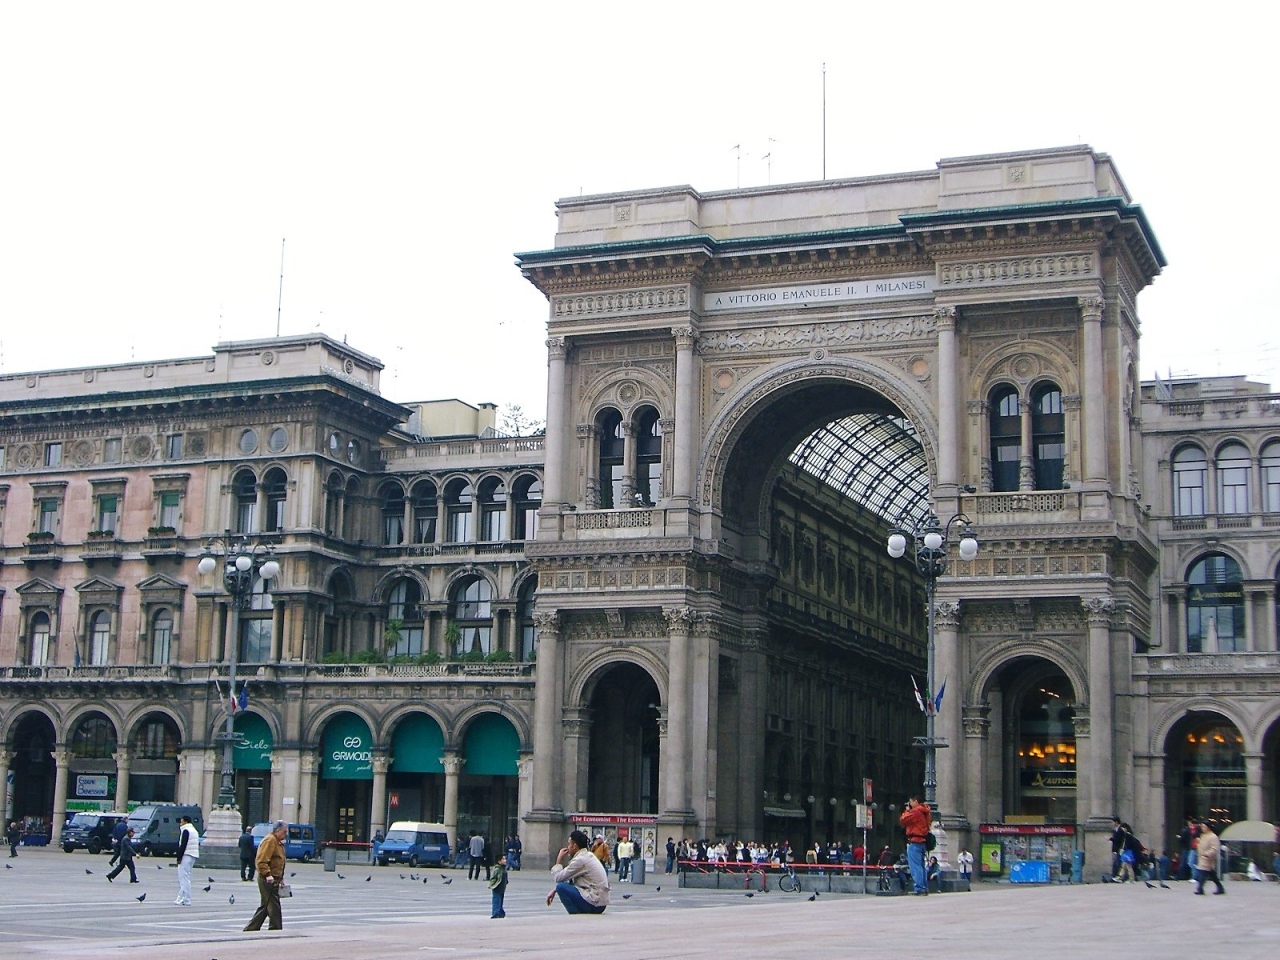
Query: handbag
x,y
286,891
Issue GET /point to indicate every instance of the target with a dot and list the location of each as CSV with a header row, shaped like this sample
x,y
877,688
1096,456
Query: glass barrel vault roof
x,y
873,459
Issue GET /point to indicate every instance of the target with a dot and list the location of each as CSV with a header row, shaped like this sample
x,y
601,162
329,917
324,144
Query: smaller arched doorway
x,y
415,778
624,753
31,773
154,748
91,774
488,792
345,789
1205,772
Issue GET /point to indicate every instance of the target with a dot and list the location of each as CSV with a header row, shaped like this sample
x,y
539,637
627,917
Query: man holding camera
x,y
916,819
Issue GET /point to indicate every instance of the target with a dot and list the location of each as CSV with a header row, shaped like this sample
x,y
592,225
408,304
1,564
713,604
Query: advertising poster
x,y
649,846
992,859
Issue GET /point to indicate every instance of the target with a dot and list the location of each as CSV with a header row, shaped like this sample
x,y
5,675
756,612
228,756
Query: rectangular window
x,y
1,458
170,503
255,640
173,446
108,508
1190,493
392,529
111,448
409,644
460,526
48,522
1235,490
424,530
53,454
495,525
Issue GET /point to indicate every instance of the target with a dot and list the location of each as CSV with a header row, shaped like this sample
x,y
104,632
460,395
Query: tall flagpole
x,y
280,296
824,122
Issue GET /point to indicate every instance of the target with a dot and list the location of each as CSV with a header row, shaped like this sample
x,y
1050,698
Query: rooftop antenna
x,y
737,149
824,121
280,296
769,157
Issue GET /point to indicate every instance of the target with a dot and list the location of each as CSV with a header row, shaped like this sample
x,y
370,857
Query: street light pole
x,y
243,560
929,545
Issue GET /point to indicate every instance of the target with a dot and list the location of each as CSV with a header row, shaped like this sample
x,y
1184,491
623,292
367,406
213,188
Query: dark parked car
x,y
91,831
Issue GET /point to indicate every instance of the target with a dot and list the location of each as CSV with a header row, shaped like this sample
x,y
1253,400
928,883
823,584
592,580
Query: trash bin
x,y
636,871
1077,866
330,859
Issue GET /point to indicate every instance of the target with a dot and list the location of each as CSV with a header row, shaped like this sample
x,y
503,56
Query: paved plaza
x,y
50,907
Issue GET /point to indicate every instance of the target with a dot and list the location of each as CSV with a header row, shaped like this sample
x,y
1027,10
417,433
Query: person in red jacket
x,y
916,819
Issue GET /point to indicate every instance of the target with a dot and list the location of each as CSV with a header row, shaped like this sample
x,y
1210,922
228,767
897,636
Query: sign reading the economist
x,y
347,749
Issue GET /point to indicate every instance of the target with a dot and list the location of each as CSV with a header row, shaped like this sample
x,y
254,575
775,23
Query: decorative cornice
x,y
768,340
624,303
1010,270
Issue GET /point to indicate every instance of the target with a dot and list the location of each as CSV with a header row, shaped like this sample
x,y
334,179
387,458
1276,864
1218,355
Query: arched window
x,y
1271,477
38,639
1233,478
161,636
457,501
1215,606
1006,438
648,458
404,619
493,510
256,624
524,619
612,448
1048,436
156,739
528,492
1189,468
472,612
94,739
246,493
99,638
276,486
392,497
424,512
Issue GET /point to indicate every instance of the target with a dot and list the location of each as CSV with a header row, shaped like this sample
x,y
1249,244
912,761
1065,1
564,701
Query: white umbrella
x,y
1250,831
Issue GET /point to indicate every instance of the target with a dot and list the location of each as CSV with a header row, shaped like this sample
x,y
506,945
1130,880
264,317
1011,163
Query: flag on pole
x,y
243,702
937,700
919,699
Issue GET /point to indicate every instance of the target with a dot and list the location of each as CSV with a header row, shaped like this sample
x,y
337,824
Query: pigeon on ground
x,y
231,899
341,877
657,889
293,874
159,866
813,896
817,893
8,866
88,871
626,896
402,876
444,876
1165,886
447,882
1150,885
208,888
368,878
424,879
749,894
140,897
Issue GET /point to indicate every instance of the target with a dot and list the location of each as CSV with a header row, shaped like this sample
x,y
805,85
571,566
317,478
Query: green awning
x,y
347,749
417,745
492,746
253,751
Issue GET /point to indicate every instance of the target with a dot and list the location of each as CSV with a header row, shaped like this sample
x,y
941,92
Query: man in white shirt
x,y
188,853
626,853
581,881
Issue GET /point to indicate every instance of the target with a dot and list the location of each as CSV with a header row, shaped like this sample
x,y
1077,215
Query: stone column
x,y
1026,458
308,783
5,758
378,802
948,396
524,773
546,710
1253,790
1250,620
675,761
406,524
576,756
452,771
1094,391
1098,612
553,486
703,743
977,730
61,764
949,726
122,779
686,412
1174,641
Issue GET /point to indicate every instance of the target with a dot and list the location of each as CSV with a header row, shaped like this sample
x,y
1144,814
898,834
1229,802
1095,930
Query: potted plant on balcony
x,y
40,536
161,532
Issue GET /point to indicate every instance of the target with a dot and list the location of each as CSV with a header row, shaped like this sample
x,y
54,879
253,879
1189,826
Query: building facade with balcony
x,y
385,673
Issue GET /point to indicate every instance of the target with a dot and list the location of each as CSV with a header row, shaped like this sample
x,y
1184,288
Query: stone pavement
x,y
49,907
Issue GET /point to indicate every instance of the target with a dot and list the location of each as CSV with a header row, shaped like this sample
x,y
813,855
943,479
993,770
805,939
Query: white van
x,y
414,843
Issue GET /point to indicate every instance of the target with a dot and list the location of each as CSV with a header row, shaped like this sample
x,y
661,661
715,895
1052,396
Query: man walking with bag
x,y
270,864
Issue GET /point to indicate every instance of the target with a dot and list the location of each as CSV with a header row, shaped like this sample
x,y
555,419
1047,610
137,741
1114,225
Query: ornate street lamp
x,y
929,542
243,560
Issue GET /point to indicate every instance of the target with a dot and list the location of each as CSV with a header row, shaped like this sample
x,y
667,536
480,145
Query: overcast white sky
x,y
155,155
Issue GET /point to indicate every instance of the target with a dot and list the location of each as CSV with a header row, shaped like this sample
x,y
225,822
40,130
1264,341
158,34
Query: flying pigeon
x,y
88,871
140,897
231,899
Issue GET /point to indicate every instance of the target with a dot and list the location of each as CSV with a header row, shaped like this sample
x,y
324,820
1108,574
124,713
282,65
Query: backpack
x,y
930,841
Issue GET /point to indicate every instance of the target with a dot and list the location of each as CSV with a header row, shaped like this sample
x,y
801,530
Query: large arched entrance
x,y
623,754
1205,772
32,771
489,787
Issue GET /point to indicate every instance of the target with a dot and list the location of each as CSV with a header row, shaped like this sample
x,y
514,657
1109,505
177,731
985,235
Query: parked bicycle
x,y
788,882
